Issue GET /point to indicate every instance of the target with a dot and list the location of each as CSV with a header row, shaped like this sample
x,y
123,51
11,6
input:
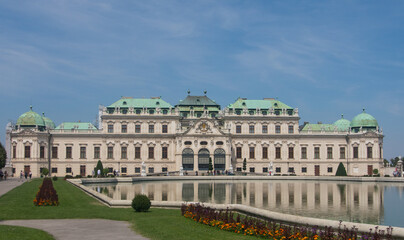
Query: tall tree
x,y
100,167
3,156
210,164
245,164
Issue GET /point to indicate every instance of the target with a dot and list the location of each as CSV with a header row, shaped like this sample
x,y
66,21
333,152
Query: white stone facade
x,y
159,139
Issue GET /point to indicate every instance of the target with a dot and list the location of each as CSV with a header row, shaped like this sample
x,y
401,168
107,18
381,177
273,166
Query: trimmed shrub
x,y
55,178
341,170
46,196
45,171
141,203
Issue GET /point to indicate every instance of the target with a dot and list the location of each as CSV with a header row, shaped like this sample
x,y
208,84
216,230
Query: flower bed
x,y
46,196
227,220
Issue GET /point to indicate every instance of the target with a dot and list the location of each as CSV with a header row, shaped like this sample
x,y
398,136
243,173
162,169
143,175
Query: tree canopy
x,y
3,156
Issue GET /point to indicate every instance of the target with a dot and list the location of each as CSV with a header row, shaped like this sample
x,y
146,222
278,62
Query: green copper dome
x,y
342,124
49,123
31,118
364,120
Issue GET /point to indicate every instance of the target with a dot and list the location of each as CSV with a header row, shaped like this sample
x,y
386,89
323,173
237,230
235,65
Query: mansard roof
x,y
154,102
319,127
76,125
266,103
197,101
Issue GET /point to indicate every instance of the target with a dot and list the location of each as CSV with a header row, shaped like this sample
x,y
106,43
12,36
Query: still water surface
x,y
374,203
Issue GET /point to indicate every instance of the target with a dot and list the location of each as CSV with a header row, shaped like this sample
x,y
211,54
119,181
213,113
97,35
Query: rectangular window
x,y
329,169
68,152
54,152
370,152
164,152
14,151
110,128
165,128
151,128
96,152
355,152
291,170
68,170
278,169
264,128
151,170
151,152
42,152
265,152
329,152
316,152
277,152
27,151
124,152
82,152
238,152
238,169
290,129
123,170
265,169
164,169
252,169
110,154
252,152
342,152
252,129
304,152
54,170
277,129
304,169
137,152
137,128
137,169
238,128
124,128
291,153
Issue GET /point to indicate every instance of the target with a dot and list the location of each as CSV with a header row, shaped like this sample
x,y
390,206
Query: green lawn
x,y
156,224
22,233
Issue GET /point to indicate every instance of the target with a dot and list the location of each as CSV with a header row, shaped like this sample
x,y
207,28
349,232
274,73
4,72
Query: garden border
x,y
262,213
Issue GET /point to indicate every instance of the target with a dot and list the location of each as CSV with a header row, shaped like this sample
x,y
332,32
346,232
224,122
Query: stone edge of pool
x,y
362,227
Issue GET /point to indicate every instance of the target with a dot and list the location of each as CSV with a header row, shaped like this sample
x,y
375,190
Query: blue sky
x,y
323,57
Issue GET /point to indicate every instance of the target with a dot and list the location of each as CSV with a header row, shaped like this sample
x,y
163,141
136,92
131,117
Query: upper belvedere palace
x,y
265,133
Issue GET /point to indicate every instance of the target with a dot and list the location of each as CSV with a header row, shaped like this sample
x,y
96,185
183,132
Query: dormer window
x,y
243,104
157,103
124,103
275,104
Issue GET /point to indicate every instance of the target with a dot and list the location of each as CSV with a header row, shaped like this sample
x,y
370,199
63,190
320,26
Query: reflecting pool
x,y
373,203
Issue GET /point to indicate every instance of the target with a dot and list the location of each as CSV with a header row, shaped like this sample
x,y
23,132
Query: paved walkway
x,y
10,183
61,229
90,229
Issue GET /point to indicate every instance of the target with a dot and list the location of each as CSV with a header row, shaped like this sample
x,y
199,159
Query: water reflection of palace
x,y
356,202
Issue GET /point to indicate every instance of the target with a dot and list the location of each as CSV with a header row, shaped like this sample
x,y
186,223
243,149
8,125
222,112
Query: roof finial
x,y
189,92
363,109
205,92
342,116
30,107
43,114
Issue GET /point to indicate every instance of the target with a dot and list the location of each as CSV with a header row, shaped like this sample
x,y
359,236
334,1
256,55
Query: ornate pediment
x,y
204,127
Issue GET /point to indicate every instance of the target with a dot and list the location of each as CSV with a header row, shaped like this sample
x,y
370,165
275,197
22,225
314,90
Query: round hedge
x,y
141,203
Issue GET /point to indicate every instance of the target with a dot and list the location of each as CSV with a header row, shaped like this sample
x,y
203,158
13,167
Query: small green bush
x,y
386,175
45,172
141,203
341,170
55,178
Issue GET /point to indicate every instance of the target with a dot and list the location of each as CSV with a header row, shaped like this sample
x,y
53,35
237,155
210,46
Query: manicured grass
x,y
23,233
156,224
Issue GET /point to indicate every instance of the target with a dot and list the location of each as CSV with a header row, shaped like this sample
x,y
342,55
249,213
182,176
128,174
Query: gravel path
x,y
91,229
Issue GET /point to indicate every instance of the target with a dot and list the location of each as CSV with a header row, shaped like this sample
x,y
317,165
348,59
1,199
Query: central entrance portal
x,y
203,159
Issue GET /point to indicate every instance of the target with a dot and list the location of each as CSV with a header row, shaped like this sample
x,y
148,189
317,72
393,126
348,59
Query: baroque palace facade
x,y
265,133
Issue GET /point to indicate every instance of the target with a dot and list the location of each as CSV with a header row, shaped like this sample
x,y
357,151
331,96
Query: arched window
x,y
203,159
188,159
220,159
